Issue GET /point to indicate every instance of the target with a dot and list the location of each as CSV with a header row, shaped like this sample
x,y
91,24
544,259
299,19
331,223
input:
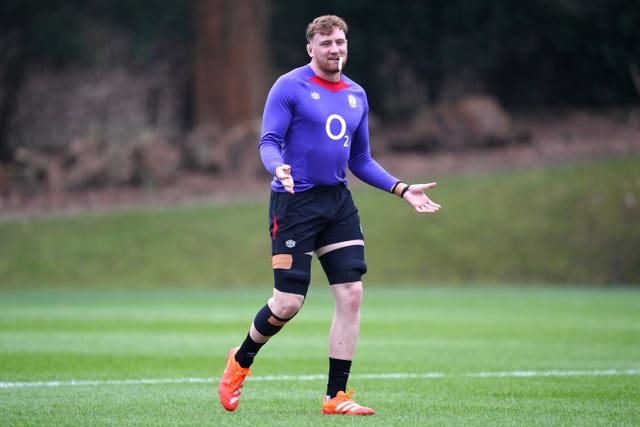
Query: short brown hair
x,y
324,25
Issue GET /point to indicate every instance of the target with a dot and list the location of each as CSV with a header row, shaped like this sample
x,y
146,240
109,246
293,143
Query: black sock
x,y
338,375
247,352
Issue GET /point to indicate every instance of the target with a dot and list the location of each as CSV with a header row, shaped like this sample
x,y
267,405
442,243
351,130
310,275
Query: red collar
x,y
332,86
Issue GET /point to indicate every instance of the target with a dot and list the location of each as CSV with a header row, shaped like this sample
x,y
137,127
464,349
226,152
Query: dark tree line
x,y
524,52
539,52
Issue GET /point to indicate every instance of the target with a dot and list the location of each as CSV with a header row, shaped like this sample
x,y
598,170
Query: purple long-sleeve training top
x,y
319,128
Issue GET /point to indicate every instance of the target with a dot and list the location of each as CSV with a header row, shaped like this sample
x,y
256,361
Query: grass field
x,y
573,223
125,318
427,356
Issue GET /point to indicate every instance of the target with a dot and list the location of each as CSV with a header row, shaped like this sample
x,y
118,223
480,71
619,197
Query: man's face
x,y
325,50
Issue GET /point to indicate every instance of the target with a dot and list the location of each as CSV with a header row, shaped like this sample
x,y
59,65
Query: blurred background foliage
x,y
55,31
406,53
541,51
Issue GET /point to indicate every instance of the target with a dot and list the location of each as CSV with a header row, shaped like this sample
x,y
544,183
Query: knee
x,y
349,296
355,295
285,305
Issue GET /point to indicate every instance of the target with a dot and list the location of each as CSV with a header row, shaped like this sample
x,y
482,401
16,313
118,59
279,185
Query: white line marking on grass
x,y
317,377
71,383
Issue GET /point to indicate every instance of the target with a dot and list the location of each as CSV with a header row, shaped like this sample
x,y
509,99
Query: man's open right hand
x,y
283,173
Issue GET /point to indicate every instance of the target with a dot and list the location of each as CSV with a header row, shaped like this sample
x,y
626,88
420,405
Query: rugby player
x,y
315,125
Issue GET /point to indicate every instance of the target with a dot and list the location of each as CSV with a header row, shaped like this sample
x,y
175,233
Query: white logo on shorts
x,y
290,243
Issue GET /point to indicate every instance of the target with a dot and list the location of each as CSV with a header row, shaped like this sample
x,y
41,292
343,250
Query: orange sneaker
x,y
342,404
230,385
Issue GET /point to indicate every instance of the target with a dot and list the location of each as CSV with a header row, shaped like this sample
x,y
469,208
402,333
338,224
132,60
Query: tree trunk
x,y
230,60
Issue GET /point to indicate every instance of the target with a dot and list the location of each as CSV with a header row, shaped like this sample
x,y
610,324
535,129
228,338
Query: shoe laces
x,y
347,395
237,377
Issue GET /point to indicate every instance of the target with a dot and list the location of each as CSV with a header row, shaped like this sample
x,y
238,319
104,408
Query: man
x,y
315,124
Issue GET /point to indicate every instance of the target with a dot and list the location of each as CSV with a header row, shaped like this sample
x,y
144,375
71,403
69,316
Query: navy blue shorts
x,y
305,221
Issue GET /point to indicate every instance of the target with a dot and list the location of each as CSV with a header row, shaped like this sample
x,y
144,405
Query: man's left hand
x,y
416,197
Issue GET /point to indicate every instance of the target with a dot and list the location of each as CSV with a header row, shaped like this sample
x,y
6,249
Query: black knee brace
x,y
344,265
292,273
267,323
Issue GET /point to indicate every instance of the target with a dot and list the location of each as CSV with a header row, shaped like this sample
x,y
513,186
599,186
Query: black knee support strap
x,y
344,265
267,323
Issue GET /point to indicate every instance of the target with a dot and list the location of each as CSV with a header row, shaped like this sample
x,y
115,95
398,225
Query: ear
x,y
310,50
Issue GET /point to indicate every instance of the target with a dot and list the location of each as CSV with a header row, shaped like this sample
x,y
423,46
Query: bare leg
x,y
345,327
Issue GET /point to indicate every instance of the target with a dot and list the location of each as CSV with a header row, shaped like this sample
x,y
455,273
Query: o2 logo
x,y
342,126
